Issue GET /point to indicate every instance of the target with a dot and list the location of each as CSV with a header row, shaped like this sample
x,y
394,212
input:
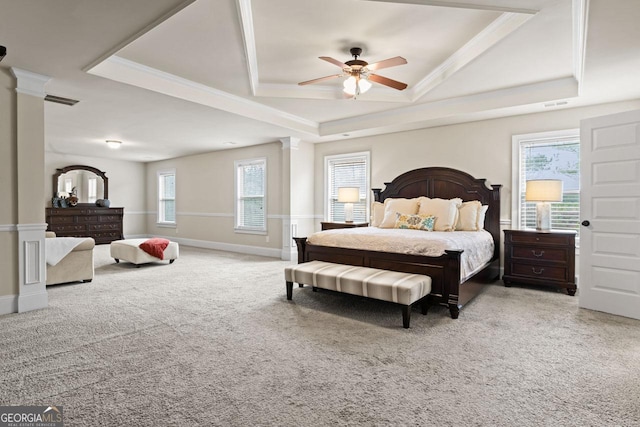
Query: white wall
x,y
483,148
205,200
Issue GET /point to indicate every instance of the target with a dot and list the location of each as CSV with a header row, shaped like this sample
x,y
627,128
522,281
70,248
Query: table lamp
x,y
348,196
543,191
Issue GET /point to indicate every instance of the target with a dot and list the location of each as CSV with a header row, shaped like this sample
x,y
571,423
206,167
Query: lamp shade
x,y
544,190
348,194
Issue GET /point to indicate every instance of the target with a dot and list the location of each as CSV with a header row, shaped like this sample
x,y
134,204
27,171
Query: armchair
x,y
77,265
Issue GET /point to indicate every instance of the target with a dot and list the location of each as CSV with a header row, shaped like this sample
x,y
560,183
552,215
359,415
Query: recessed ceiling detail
x,y
465,60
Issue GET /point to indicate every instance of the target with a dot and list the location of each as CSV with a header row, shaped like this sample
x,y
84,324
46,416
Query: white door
x,y
610,214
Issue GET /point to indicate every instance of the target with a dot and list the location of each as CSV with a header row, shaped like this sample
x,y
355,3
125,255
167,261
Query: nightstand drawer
x,y
541,238
539,253
543,272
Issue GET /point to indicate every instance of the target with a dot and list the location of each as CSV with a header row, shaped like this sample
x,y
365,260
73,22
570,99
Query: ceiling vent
x,y
61,100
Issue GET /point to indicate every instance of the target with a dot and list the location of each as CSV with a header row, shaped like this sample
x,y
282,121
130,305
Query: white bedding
x,y
59,247
477,245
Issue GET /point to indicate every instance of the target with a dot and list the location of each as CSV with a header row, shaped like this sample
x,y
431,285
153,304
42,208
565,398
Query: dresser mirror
x,y
87,183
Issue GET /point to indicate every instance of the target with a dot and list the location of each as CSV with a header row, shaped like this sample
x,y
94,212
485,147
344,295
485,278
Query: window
x,y
346,170
167,197
549,155
92,189
251,212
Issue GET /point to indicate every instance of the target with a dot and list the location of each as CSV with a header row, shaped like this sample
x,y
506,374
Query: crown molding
x,y
501,27
133,73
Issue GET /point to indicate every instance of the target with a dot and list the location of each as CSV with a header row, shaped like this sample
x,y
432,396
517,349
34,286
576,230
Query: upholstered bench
x,y
129,250
401,288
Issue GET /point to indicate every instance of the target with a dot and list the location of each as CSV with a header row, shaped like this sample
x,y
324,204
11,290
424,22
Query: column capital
x,y
290,143
30,83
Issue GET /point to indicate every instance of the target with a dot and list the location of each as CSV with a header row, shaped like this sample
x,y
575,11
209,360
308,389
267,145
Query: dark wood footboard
x,y
443,270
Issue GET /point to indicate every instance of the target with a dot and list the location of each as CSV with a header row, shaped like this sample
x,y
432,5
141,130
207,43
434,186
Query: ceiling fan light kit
x,y
359,73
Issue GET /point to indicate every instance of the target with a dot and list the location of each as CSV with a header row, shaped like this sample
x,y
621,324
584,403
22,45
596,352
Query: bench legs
x,y
289,290
406,309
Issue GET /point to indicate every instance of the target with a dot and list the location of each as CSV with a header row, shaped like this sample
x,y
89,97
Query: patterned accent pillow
x,y
415,222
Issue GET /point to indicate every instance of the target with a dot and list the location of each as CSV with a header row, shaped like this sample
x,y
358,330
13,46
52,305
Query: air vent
x,y
61,100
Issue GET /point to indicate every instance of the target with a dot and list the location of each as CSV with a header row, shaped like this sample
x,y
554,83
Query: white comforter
x,y
477,245
59,247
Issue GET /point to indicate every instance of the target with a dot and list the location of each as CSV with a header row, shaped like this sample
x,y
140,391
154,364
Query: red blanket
x,y
155,246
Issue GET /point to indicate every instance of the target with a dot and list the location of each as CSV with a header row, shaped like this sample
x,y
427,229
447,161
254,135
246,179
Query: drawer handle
x,y
533,269
533,251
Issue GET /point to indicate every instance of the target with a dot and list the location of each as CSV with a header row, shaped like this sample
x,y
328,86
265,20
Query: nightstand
x,y
543,258
334,225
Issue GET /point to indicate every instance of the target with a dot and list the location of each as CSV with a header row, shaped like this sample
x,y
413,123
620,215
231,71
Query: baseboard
x,y
33,301
229,247
8,304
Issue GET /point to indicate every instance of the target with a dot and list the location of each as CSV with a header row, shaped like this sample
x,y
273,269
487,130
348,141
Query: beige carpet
x,y
211,341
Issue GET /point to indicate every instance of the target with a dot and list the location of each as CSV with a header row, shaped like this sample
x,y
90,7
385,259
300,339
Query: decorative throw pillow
x,y
392,206
445,211
377,214
415,222
468,216
155,246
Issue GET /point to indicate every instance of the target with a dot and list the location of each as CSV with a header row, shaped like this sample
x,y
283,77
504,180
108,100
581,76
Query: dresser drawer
x,y
539,253
55,220
59,228
542,272
104,227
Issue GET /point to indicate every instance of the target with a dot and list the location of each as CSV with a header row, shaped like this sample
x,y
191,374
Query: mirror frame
x,y
66,169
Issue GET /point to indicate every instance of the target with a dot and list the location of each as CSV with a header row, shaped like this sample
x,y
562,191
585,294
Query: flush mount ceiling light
x,y
113,144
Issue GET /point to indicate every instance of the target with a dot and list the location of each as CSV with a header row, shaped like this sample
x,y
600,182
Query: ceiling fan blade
x,y
391,62
387,82
321,79
334,61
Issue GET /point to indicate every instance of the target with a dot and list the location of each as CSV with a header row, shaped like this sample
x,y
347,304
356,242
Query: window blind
x,y
167,197
251,180
347,171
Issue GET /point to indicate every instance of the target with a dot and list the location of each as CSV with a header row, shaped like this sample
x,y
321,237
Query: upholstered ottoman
x,y
129,250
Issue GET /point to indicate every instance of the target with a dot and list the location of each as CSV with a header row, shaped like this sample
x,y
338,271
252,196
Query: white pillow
x,y
468,216
481,214
445,211
393,206
377,214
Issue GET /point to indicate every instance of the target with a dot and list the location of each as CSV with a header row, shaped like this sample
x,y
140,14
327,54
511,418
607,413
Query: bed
x,y
450,285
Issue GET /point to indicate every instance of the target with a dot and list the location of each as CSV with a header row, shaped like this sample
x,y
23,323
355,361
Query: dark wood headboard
x,y
447,183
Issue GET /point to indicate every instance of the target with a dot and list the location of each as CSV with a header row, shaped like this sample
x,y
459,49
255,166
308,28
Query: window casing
x,y
347,170
549,155
250,184
167,198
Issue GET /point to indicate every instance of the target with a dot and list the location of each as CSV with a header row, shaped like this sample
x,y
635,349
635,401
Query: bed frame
x,y
446,287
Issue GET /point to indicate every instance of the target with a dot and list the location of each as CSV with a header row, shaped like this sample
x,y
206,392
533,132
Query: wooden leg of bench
x,y
406,316
289,290
425,306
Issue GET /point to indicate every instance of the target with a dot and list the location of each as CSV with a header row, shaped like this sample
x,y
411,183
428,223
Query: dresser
x,y
103,224
543,258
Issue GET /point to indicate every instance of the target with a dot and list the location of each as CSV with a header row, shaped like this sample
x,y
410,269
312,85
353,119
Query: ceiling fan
x,y
360,72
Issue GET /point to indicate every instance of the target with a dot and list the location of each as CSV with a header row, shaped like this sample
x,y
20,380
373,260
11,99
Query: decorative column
x,y
30,197
289,224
